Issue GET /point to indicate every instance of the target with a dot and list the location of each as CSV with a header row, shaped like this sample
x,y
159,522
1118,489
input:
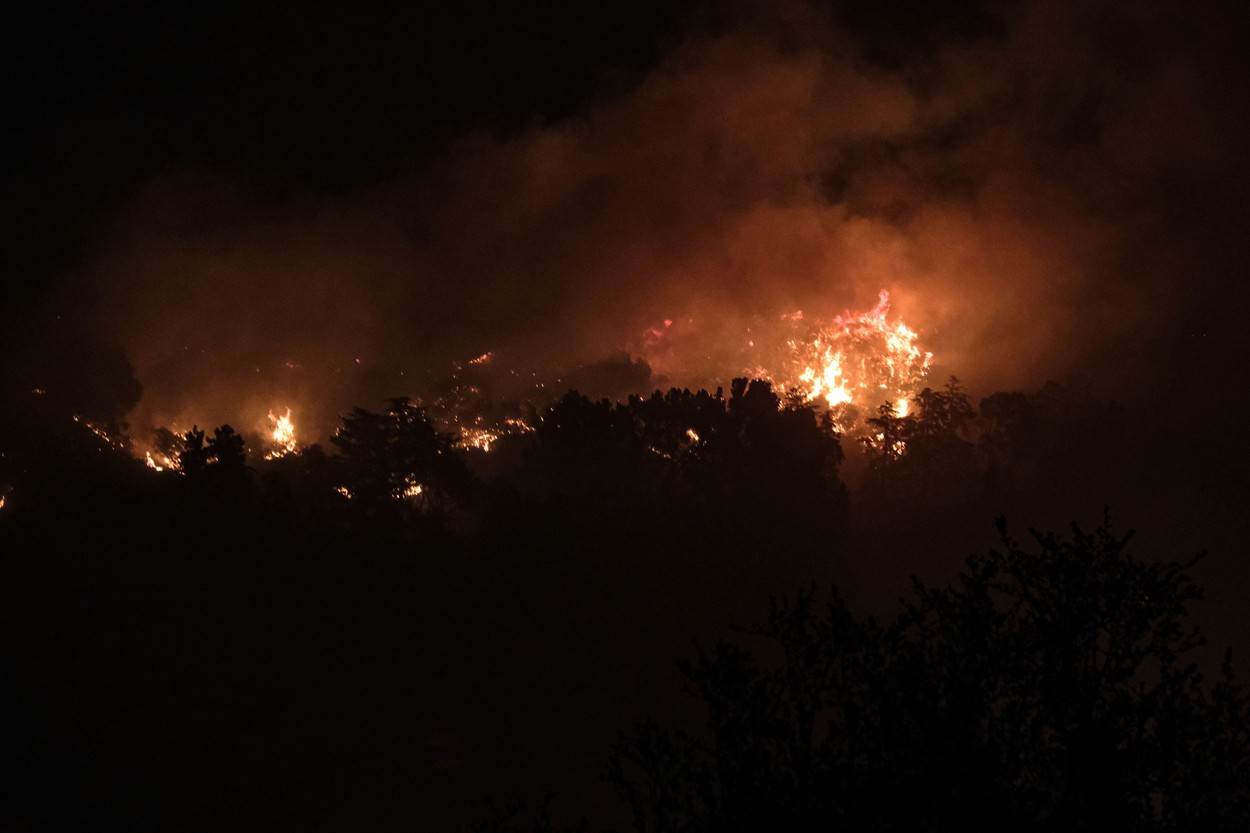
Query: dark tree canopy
x,y
1051,688
398,454
391,630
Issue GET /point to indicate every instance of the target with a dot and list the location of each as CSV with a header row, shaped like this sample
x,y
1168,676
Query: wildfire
x,y
100,433
481,435
412,489
479,438
161,462
850,365
859,359
281,435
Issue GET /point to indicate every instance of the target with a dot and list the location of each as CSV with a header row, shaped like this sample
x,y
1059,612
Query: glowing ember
x,y
282,435
479,438
344,491
100,433
859,359
692,435
482,435
412,489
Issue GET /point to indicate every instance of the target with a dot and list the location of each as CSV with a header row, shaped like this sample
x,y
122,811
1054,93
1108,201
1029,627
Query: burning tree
x,y
859,359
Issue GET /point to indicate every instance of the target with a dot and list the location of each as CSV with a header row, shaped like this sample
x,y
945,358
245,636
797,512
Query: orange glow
x,y
282,435
482,436
412,489
475,437
859,359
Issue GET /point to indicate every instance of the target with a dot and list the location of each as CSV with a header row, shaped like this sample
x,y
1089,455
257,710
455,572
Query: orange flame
x,y
282,435
860,359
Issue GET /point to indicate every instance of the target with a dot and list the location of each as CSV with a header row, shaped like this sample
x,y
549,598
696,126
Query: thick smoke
x,y
1018,189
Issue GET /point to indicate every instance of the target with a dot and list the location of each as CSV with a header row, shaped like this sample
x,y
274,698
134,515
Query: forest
x,y
687,611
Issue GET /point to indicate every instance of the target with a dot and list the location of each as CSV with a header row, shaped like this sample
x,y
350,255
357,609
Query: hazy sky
x,y
326,211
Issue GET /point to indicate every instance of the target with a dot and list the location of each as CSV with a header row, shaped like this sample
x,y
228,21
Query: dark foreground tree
x,y
397,455
1051,689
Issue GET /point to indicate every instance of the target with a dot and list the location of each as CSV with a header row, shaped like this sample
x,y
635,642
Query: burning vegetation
x,y
281,435
854,368
860,359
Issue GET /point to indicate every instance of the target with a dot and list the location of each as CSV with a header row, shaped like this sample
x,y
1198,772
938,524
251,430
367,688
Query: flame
x,y
282,435
482,436
850,364
859,359
100,433
160,461
479,438
412,489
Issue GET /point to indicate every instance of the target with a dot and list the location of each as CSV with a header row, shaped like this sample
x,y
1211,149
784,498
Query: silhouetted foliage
x,y
193,455
1056,435
887,437
1051,689
331,649
926,458
225,448
518,818
743,471
397,455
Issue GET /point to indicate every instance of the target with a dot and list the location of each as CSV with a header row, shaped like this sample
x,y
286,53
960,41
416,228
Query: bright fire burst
x,y
860,359
160,462
281,435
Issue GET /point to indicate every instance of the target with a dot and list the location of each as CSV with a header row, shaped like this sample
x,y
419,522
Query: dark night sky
x,y
307,97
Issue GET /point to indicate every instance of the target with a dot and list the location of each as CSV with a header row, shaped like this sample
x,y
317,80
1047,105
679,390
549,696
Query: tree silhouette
x,y
1050,689
592,548
926,458
727,479
225,448
887,437
398,455
193,456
